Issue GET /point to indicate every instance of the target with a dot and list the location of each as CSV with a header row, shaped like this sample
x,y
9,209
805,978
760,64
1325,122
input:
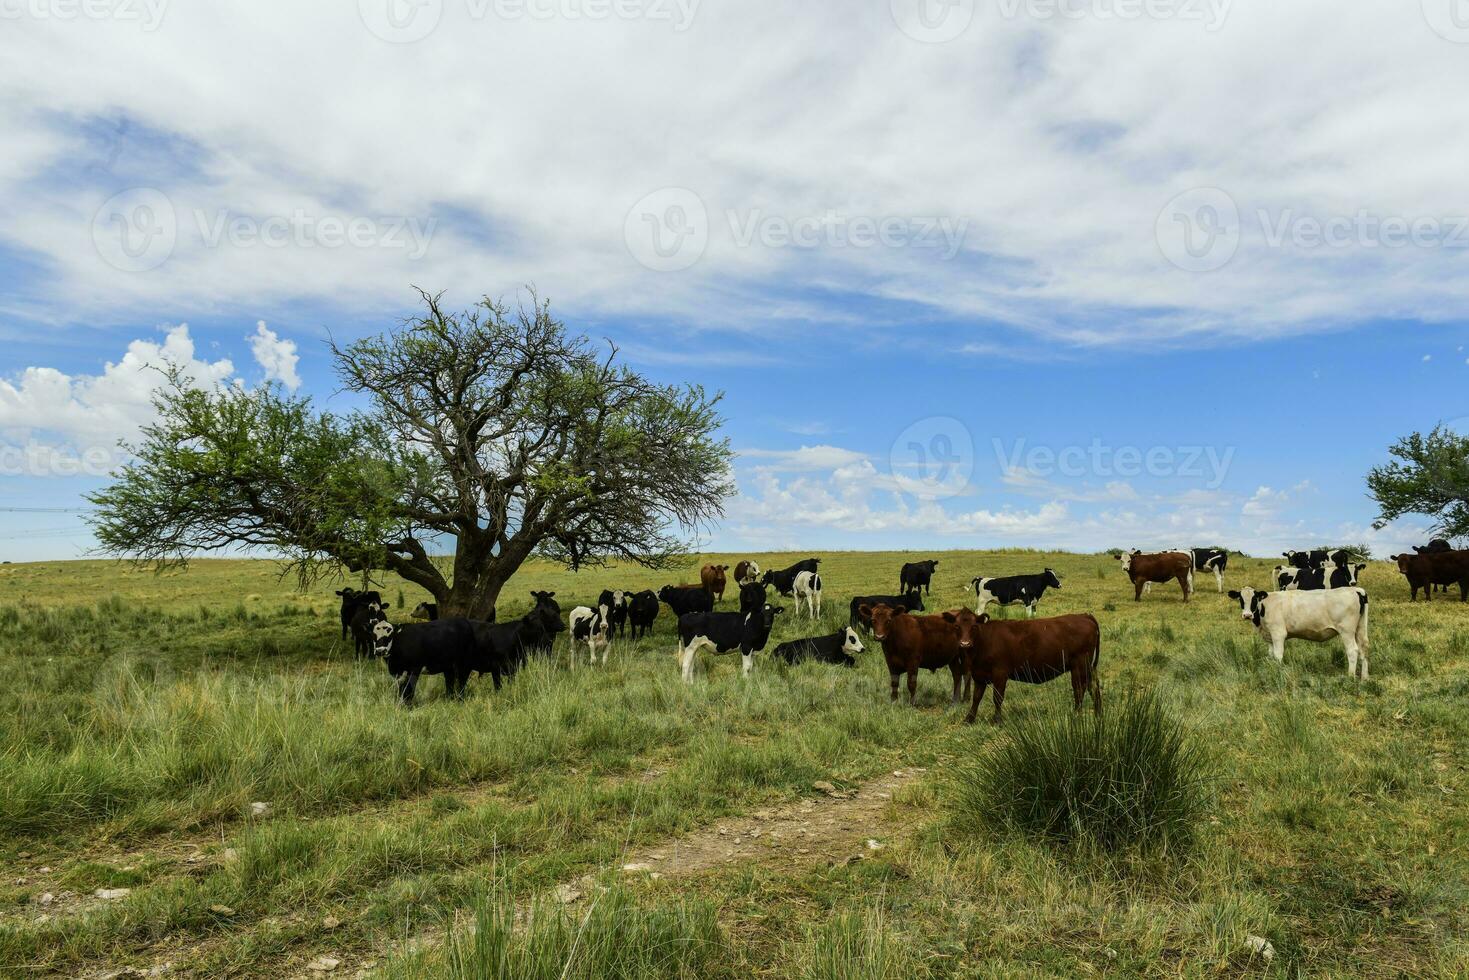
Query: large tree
x,y
492,429
1428,475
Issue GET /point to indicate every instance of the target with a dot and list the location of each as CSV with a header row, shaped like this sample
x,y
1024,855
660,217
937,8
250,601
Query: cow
x,y
712,577
1424,571
1161,567
1211,560
785,579
840,647
1316,579
589,626
642,609
612,604
912,643
912,602
1305,559
723,632
426,611
683,599
352,600
746,572
364,619
752,596
1432,547
1314,616
1025,589
453,647
807,586
916,574
1033,651
541,624
510,644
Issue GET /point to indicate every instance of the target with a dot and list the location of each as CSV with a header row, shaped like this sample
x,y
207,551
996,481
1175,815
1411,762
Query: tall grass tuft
x,y
854,946
1135,778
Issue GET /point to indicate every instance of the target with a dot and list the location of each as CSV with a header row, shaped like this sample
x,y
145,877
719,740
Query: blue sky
x,y
1025,246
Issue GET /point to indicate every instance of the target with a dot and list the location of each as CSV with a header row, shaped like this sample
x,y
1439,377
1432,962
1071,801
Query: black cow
x,y
642,609
684,599
752,596
426,610
916,575
455,648
1025,589
835,648
912,602
352,600
511,644
612,604
722,632
541,624
785,579
364,620
1432,548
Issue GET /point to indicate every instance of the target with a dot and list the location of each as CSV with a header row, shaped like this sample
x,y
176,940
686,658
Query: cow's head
x,y
752,594
767,617
966,625
881,616
425,610
1357,570
1126,560
767,578
382,642
851,642
1052,579
546,613
1403,561
1251,603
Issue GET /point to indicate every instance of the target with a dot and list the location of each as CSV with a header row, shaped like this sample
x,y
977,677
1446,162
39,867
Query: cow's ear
x,y
984,617
1233,594
387,605
949,616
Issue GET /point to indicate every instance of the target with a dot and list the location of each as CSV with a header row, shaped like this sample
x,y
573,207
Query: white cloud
x,y
276,356
1334,109
805,459
85,414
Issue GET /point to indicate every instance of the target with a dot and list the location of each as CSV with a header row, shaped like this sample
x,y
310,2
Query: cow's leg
x,y
1183,582
1147,587
1096,686
1137,591
893,679
748,664
976,696
1078,686
999,683
958,682
1349,644
406,685
495,676
913,687
606,649
1030,609
1277,648
1219,580
686,658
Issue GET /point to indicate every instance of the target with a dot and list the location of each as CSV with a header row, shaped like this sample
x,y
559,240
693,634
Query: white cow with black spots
x,y
589,626
807,586
1314,616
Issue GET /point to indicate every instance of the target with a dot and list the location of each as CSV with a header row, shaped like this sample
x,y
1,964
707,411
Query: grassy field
x,y
143,716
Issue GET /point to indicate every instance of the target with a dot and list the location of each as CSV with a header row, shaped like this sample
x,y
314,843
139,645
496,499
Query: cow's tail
x,y
1096,679
1362,622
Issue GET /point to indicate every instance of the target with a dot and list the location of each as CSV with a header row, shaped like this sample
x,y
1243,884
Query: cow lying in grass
x,y
913,643
1031,651
1314,616
723,632
840,647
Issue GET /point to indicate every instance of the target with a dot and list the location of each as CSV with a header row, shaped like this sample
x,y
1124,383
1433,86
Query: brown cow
x,y
1434,568
713,579
746,572
1161,567
1032,651
910,643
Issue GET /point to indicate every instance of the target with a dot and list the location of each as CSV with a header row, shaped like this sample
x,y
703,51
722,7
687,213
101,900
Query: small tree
x,y
493,429
1428,475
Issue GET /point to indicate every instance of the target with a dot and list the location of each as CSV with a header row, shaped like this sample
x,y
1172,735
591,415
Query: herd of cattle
x,y
1317,598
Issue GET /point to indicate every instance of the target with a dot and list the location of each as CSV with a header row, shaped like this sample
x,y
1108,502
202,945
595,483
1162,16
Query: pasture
x,y
790,824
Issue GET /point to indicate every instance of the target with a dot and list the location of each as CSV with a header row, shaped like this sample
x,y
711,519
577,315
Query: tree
x,y
493,428
1428,475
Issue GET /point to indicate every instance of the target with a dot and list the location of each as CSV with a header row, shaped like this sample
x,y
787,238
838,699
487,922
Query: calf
x,y
1144,568
752,596
613,604
1316,579
589,626
912,602
916,574
541,624
911,643
746,572
507,646
840,647
642,609
685,599
426,610
807,586
723,632
1025,589
352,600
364,619
1314,616
785,579
1032,652
712,577
1434,568
446,646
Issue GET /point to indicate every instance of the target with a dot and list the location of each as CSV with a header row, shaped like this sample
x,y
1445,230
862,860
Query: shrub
x,y
1135,778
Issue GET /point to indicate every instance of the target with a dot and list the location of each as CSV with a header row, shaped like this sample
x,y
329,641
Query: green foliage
x,y
1427,475
1135,778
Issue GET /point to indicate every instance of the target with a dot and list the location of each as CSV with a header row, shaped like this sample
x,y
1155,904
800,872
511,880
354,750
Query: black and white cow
x,y
613,604
785,579
807,588
1314,616
722,632
591,627
911,602
1316,579
1024,589
364,619
454,647
917,575
1305,559
684,599
642,610
840,647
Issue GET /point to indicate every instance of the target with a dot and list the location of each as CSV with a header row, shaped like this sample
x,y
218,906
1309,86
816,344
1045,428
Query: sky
x,y
1067,274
